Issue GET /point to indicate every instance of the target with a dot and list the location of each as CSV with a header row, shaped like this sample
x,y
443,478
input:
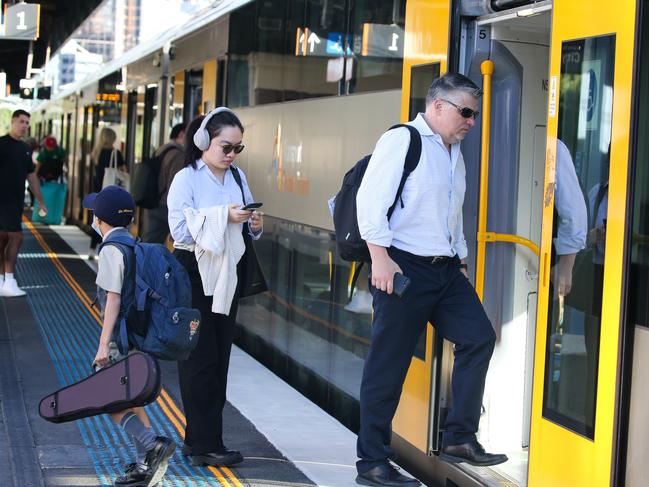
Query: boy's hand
x,y
102,358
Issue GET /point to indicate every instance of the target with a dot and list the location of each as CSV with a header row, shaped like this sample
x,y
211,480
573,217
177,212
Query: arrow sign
x,y
313,40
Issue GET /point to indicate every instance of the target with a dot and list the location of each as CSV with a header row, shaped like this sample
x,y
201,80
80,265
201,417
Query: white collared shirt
x,y
199,188
430,221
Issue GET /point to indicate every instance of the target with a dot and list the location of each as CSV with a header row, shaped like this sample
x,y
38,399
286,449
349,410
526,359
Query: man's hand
x,y
383,268
561,275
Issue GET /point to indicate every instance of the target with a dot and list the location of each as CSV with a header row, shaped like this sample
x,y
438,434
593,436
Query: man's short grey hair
x,y
444,86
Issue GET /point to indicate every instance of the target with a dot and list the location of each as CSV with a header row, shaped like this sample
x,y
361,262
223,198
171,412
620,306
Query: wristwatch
x,y
463,266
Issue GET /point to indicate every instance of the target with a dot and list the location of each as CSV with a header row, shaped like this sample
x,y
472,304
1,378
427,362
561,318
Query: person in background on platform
x,y
424,241
156,226
101,156
34,147
112,212
207,182
16,165
51,160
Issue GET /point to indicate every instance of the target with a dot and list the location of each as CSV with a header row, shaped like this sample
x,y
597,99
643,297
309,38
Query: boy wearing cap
x,y
113,209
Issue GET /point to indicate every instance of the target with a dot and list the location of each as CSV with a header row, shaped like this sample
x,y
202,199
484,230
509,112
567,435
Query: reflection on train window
x,y
302,49
377,38
579,230
308,316
638,284
421,77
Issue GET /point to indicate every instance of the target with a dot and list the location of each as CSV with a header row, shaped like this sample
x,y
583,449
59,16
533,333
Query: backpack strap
x,y
121,241
237,178
410,164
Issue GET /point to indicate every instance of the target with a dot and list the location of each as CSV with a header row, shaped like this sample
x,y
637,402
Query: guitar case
x,y
131,382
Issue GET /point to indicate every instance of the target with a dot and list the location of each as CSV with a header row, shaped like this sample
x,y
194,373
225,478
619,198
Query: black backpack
x,y
145,188
351,246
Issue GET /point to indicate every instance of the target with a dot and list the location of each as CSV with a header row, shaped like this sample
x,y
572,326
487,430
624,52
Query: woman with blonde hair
x,y
102,155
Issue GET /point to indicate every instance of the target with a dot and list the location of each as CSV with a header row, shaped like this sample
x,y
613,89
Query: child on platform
x,y
113,209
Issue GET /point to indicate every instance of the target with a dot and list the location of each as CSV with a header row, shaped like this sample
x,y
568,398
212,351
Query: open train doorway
x,y
518,45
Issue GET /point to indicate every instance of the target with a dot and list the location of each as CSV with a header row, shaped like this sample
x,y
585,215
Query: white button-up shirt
x,y
572,226
430,221
200,189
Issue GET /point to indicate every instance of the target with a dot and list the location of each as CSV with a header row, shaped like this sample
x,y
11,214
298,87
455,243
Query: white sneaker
x,y
10,289
361,303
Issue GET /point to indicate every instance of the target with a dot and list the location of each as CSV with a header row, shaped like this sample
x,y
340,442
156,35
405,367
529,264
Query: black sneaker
x,y
157,459
135,475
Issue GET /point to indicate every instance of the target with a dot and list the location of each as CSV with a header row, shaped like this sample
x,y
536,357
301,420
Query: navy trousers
x,y
440,294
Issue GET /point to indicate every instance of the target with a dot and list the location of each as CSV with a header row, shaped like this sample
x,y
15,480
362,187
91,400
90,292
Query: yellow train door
x,y
425,58
580,286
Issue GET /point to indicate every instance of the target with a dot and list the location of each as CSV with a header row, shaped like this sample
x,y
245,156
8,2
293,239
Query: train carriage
x,y
315,84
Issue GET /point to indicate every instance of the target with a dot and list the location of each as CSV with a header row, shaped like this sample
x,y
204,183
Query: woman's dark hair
x,y
214,127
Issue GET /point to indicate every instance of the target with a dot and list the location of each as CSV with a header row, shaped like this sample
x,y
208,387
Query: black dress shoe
x,y
157,459
385,475
223,458
134,476
471,453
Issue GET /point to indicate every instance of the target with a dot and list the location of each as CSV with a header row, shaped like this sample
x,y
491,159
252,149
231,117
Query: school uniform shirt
x,y
429,223
199,188
110,275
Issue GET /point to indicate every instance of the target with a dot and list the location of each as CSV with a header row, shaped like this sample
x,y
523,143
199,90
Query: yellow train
x,y
315,86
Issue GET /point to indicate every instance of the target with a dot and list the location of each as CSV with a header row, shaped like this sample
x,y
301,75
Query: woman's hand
x,y
102,358
235,215
256,221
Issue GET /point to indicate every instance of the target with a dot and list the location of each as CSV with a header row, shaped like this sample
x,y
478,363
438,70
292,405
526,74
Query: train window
x,y
579,229
421,77
376,39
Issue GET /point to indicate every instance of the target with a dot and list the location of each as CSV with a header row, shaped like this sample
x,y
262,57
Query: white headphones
x,y
202,136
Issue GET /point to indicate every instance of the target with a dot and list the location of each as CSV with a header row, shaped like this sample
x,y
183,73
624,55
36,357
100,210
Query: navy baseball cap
x,y
113,204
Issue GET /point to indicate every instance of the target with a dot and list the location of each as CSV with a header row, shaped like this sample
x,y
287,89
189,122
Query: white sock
x,y
9,276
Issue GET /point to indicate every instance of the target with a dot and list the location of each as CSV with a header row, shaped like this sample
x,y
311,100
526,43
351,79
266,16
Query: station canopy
x,y
58,20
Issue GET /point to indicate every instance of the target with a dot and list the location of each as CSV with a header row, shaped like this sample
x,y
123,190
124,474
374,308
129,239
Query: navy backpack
x,y
162,323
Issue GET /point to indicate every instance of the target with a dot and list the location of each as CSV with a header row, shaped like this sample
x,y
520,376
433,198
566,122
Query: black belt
x,y
432,259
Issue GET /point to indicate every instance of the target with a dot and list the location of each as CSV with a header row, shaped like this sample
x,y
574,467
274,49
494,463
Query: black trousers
x,y
440,294
204,375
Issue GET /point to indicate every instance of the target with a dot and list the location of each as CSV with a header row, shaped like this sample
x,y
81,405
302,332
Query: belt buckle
x,y
436,259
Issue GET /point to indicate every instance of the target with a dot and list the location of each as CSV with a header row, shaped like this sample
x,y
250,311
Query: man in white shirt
x,y
424,241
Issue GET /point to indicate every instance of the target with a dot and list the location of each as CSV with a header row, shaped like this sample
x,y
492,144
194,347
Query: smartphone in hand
x,y
252,206
400,284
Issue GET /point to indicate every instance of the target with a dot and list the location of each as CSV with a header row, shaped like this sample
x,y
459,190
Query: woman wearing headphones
x,y
207,188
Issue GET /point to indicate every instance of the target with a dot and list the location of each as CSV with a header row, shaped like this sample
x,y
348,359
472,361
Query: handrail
x,y
487,69
506,237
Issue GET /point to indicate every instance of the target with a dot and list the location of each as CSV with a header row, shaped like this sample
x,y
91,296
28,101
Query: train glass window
x,y
579,230
421,77
377,37
314,55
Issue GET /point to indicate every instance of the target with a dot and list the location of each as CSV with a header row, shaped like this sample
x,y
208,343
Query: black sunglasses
x,y
465,112
227,148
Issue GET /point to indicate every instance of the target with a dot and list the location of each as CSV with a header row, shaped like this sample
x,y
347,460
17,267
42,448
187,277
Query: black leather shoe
x,y
157,459
471,453
223,458
134,476
385,475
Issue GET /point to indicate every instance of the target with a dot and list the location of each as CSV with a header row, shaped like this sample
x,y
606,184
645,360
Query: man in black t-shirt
x,y
16,165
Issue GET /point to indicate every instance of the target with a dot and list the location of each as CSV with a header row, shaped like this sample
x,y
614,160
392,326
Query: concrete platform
x,y
48,339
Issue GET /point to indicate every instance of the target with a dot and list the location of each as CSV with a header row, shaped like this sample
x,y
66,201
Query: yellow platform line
x,y
164,400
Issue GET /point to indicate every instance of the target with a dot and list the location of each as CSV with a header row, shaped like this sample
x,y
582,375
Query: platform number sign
x,y
21,21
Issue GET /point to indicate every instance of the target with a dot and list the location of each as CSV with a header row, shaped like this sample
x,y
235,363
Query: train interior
x,y
519,48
